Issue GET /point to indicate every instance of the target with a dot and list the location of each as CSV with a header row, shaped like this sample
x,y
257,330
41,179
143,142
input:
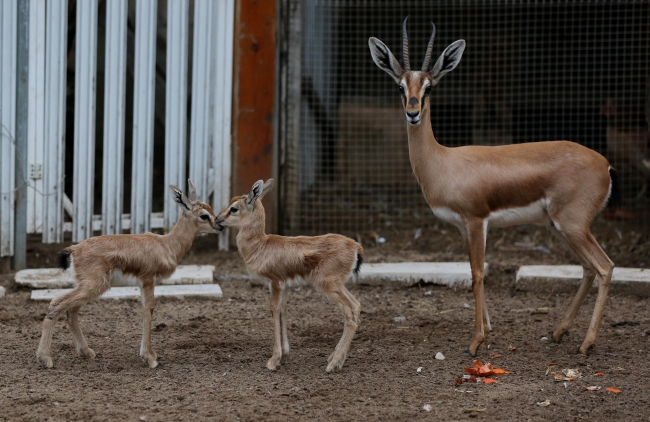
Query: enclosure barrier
x,y
50,210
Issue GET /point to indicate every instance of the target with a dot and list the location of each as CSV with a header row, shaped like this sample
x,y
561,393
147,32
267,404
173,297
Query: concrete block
x,y
55,278
566,278
129,292
451,274
2,292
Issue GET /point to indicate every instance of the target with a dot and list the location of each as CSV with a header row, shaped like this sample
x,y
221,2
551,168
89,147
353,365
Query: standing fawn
x,y
559,184
324,261
146,257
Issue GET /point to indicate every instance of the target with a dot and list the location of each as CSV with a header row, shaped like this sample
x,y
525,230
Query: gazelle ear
x,y
448,60
179,197
268,185
191,193
384,59
256,192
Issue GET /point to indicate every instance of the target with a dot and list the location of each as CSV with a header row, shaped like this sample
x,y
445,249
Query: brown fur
x,y
147,257
470,183
325,261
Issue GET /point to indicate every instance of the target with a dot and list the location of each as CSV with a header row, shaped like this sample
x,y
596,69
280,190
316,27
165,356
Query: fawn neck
x,y
251,236
181,237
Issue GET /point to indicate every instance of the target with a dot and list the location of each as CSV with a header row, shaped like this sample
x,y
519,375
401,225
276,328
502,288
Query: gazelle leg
x,y
588,275
276,296
283,322
79,341
589,251
71,300
604,268
351,310
148,303
475,232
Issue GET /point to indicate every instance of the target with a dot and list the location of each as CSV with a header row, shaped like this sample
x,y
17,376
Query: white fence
x,y
210,121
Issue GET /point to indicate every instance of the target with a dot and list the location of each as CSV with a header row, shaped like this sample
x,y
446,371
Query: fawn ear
x,y
191,193
268,185
448,60
179,197
256,192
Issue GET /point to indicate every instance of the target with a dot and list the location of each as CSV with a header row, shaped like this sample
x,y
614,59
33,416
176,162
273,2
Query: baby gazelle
x,y
146,257
325,261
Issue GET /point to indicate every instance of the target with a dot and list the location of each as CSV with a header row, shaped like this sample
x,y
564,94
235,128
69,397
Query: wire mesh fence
x,y
532,71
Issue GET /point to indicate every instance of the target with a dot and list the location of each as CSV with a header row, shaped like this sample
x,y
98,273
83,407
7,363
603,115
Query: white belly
x,y
534,213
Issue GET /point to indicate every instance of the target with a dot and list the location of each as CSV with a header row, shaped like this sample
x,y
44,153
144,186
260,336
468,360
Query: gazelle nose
x,y
413,114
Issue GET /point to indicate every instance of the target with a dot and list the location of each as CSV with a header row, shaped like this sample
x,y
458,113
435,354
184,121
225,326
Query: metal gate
x,y
206,158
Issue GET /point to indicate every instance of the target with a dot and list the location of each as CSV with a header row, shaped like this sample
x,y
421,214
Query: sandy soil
x,y
214,351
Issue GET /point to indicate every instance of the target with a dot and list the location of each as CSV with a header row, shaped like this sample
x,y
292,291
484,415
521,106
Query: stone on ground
x,y
55,278
129,292
566,278
451,274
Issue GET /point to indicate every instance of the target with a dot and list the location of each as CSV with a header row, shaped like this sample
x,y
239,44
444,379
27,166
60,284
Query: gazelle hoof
x,y
88,353
586,350
46,361
273,363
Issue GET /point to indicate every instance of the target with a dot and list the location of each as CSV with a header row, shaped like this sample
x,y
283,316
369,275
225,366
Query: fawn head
x,y
246,208
415,86
198,212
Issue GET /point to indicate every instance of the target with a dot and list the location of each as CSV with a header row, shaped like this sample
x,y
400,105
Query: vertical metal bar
x,y
114,111
8,20
22,110
84,119
143,114
55,102
222,117
176,103
200,121
36,114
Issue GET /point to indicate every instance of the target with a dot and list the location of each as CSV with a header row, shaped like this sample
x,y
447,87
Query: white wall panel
x,y
176,103
114,113
143,115
8,16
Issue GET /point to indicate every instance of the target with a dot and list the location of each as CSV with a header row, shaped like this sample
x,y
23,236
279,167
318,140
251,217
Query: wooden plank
x,y
55,278
84,119
254,85
143,115
200,119
222,117
36,115
8,32
114,115
176,104
196,290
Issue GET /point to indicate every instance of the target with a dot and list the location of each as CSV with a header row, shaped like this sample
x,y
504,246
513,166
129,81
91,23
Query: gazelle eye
x,y
205,217
427,91
233,210
401,89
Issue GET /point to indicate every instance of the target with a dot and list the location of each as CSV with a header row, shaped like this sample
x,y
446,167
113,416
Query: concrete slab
x,y
566,278
2,292
192,290
55,278
451,274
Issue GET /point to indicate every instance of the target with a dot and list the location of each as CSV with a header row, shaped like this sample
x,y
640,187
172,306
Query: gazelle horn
x,y
427,57
405,46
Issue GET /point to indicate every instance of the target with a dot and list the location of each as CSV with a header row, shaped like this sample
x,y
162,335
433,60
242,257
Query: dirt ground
x,y
214,351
